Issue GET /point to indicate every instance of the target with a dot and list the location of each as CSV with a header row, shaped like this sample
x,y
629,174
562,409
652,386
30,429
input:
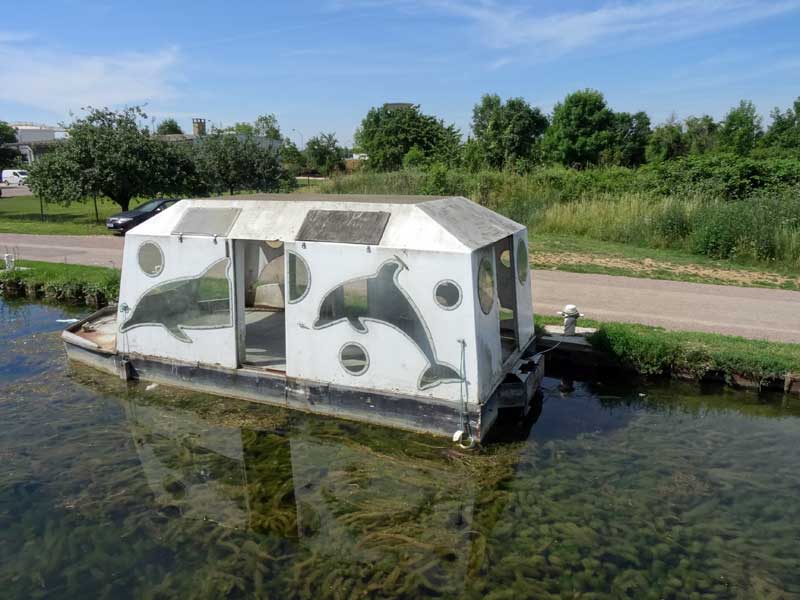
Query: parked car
x,y
122,222
14,176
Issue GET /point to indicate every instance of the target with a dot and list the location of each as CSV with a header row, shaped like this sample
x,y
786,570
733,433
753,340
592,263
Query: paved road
x,y
99,250
12,191
748,312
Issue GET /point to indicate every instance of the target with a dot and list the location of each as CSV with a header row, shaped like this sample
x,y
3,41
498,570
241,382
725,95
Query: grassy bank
x,y
654,351
587,255
750,222
56,282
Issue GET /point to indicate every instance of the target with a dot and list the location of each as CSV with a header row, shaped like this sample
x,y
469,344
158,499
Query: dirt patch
x,y
658,269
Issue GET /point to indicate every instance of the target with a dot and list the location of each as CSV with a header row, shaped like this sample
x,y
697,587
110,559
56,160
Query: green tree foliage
x,y
324,154
109,154
293,160
629,137
700,135
169,127
386,134
232,162
667,142
506,132
580,130
741,129
784,132
8,157
264,125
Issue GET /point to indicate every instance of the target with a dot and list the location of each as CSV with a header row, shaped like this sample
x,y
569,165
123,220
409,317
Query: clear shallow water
x,y
110,490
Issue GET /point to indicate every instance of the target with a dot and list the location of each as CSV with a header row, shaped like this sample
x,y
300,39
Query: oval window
x,y
522,262
485,285
505,259
447,294
354,358
151,259
299,277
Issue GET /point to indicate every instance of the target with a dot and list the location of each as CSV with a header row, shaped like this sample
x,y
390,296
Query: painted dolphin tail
x,y
438,373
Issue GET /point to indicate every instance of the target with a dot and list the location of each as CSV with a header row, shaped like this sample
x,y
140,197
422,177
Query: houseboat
x,y
406,311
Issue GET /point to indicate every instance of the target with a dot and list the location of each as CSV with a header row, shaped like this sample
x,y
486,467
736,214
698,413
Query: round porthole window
x,y
522,262
151,259
447,294
299,277
354,358
485,285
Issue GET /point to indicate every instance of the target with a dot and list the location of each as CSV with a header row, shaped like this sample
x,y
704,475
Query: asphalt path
x,y
756,313
13,191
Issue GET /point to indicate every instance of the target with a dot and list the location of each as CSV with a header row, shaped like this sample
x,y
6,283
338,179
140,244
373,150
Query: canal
x,y
117,490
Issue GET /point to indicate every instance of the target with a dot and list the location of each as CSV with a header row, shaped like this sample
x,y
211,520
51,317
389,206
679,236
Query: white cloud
x,y
60,82
505,24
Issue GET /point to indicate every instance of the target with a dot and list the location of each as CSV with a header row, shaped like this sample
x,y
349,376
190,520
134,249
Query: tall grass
x,y
620,205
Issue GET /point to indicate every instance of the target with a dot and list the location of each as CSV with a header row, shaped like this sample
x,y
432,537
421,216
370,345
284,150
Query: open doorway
x,y
264,302
507,295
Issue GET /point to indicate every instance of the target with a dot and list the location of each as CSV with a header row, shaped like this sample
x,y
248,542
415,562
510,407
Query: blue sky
x,y
319,66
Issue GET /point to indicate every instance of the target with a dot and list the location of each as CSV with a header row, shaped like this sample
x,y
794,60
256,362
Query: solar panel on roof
x,y
344,226
207,221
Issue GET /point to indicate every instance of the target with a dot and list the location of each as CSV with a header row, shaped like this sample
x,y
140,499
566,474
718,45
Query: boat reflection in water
x,y
343,498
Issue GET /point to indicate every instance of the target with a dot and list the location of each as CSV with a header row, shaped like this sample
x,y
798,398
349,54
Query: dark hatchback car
x,y
122,222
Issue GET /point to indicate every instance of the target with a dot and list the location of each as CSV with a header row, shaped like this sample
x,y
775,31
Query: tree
x,y
386,134
580,129
784,131
506,132
293,161
324,154
108,154
701,134
169,127
8,156
666,142
232,162
629,137
267,125
741,129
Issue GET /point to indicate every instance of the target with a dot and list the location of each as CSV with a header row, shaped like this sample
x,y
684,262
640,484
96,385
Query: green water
x,y
111,490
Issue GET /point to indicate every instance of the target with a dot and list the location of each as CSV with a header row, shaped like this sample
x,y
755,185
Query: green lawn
x,y
22,215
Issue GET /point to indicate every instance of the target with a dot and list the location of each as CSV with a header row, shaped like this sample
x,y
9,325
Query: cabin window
x,y
356,301
354,358
201,302
505,259
485,285
522,262
447,294
151,259
299,277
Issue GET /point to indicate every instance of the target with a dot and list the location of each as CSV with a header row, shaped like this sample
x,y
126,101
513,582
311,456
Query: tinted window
x,y
149,206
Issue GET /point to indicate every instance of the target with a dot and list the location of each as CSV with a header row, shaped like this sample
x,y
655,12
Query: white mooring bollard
x,y
571,315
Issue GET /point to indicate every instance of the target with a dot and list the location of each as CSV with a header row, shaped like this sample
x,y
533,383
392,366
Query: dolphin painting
x,y
390,305
201,302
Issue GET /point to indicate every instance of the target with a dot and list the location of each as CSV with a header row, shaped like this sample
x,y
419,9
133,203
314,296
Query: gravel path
x,y
748,312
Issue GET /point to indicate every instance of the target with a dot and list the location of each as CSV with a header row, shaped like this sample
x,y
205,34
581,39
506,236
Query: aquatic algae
x,y
110,490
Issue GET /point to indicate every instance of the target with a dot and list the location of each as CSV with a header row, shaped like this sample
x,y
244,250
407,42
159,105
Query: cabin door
x,y
261,317
507,295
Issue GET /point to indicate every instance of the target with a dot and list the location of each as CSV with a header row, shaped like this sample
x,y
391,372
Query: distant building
x,y
35,139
